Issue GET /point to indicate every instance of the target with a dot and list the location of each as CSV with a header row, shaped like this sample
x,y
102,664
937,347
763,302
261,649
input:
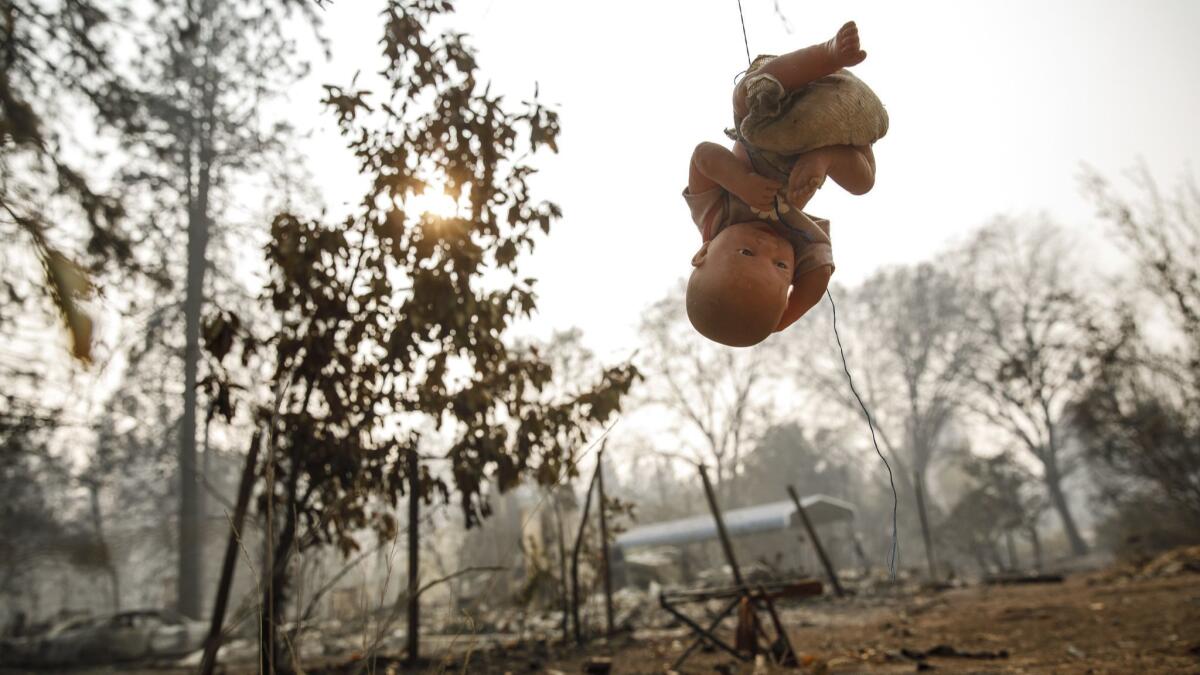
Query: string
x,y
745,40
871,425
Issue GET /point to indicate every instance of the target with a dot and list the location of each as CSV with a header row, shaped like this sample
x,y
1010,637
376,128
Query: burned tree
x,y
1140,411
913,346
211,68
1003,500
1029,321
720,397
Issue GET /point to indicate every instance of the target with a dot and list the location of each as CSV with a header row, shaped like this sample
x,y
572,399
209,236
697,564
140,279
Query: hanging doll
x,y
798,118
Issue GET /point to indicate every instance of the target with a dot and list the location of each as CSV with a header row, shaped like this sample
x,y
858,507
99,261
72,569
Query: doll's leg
x,y
850,166
853,168
798,68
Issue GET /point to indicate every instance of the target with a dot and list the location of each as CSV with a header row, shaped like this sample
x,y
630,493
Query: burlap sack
x,y
838,109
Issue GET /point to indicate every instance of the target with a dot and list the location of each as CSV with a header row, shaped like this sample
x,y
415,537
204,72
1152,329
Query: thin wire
x,y
895,497
745,40
737,127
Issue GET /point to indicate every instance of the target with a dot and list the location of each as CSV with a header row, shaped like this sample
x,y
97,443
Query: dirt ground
x,y
1087,624
1104,622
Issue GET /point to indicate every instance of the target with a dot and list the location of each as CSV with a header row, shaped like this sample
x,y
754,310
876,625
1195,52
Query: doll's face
x,y
739,285
751,250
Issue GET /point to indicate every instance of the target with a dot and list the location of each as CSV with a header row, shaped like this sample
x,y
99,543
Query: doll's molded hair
x,y
731,312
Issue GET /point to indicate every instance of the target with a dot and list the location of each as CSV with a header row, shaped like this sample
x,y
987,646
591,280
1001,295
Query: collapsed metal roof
x,y
773,516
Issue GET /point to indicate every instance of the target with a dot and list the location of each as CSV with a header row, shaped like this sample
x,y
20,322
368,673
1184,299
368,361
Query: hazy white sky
x,y
994,106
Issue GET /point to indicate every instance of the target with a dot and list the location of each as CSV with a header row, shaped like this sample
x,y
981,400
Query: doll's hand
x,y
807,176
845,46
757,191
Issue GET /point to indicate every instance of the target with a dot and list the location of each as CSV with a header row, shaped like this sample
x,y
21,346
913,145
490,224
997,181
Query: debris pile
x,y
1185,560
1173,563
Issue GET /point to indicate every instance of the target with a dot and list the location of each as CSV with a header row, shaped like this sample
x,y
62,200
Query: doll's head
x,y
739,284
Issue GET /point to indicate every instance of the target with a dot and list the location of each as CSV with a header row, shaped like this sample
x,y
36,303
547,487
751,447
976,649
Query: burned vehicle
x,y
124,636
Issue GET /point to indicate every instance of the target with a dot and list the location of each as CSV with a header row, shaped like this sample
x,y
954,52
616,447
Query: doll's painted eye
x,y
746,252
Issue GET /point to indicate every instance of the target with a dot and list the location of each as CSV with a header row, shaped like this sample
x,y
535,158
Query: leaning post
x,y
716,511
812,535
229,564
608,602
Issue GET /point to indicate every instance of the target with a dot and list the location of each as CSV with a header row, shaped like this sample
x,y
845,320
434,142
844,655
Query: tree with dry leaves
x,y
56,74
392,321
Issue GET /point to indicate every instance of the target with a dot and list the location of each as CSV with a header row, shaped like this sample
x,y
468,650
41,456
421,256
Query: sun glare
x,y
435,202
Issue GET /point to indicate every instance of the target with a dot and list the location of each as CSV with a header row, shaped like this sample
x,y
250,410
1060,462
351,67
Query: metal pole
x,y
701,633
725,542
608,601
812,535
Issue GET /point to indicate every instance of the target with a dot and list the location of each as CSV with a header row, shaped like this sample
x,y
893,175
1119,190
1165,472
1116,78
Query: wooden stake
x,y
414,596
604,561
725,541
587,504
816,541
562,569
228,566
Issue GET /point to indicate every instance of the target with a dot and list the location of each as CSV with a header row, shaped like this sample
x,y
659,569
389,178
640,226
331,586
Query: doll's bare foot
x,y
845,46
807,176
757,191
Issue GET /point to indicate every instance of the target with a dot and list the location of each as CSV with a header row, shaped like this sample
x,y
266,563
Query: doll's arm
x,y
798,68
716,166
806,293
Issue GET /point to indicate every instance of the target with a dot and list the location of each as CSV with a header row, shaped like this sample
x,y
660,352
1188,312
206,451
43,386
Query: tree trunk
x,y
1011,548
993,553
919,489
276,569
197,249
980,558
274,595
414,600
1054,485
562,569
110,566
114,585
189,508
1036,542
